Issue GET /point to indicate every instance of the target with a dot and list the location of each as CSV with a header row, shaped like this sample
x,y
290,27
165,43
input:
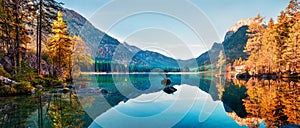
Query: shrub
x,y
4,73
7,90
38,81
50,81
58,82
23,87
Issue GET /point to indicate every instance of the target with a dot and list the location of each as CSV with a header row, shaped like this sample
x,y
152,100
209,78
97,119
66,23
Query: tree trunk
x,y
70,68
17,46
6,30
40,36
37,45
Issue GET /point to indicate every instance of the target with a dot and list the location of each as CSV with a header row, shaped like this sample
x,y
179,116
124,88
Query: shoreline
x,y
125,73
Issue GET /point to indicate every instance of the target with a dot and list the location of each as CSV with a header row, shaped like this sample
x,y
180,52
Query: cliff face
x,y
237,26
30,59
46,68
233,46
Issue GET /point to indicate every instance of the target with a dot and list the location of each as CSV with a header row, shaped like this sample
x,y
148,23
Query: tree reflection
x,y
274,101
66,111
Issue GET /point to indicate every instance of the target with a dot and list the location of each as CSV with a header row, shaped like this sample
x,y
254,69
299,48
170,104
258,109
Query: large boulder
x,y
6,63
6,81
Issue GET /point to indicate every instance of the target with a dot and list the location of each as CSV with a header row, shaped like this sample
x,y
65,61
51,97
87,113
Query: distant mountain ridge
x,y
239,24
107,48
233,47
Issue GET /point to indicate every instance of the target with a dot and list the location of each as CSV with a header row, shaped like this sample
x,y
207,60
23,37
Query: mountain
x,y
78,25
233,45
108,49
239,24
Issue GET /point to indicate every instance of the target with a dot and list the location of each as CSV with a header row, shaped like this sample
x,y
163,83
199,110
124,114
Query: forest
x,y
274,48
110,66
36,48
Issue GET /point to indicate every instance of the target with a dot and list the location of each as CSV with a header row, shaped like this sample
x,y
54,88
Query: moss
x,y
7,90
58,82
23,87
4,73
26,73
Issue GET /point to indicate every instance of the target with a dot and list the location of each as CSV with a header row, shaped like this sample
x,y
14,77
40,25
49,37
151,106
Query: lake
x,y
141,100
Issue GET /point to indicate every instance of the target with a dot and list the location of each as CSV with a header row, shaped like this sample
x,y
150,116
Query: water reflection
x,y
22,111
252,103
64,110
123,87
179,110
42,110
277,102
200,101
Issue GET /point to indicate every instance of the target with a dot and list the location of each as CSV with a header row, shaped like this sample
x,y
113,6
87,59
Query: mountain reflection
x,y
230,102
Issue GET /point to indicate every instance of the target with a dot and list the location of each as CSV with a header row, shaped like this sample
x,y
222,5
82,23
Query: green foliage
x,y
29,74
26,73
46,81
23,87
7,90
4,73
53,81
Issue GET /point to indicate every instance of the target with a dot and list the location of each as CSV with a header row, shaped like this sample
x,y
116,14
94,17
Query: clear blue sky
x,y
172,36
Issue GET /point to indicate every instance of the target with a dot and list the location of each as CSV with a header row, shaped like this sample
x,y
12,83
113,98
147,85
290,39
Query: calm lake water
x,y
140,100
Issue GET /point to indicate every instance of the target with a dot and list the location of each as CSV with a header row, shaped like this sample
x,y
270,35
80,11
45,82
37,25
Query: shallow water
x,y
138,100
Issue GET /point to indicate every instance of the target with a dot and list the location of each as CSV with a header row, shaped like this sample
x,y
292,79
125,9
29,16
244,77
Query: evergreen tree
x,y
276,47
60,45
15,15
254,43
292,51
44,11
221,61
286,21
268,49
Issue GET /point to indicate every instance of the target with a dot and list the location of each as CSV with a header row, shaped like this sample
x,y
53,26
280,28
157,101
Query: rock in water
x,y
243,76
169,90
66,90
104,91
166,82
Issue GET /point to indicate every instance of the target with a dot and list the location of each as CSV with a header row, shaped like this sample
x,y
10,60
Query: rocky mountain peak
x,y
240,23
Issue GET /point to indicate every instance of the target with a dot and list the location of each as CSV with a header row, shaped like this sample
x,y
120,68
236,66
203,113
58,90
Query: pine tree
x,y
15,15
44,11
254,43
60,45
286,21
221,61
268,49
292,51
